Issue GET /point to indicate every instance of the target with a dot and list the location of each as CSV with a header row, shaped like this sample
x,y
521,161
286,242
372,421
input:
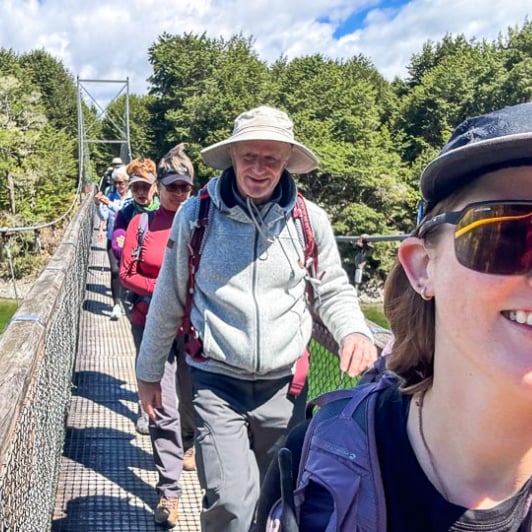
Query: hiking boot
x,y
116,313
143,422
166,511
189,460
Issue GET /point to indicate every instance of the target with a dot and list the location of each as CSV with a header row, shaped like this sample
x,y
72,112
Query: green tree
x,y
34,157
140,130
9,64
21,121
340,110
56,86
517,56
454,79
201,84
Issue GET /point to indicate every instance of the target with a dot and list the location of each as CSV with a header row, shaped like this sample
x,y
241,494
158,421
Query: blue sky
x,y
357,18
354,22
109,39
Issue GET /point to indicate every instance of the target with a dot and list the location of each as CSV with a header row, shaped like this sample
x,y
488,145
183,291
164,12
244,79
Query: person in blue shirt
x,y
109,204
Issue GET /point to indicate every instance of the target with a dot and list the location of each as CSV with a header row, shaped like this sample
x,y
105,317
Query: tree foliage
x,y
200,85
38,174
373,137
56,87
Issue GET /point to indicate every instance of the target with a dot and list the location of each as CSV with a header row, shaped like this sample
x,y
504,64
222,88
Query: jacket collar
x,y
225,195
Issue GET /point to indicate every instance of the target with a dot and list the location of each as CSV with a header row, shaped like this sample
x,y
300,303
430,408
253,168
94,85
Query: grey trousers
x,y
173,432
240,425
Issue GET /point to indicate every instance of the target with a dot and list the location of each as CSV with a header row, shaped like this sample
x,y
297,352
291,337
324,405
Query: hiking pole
x,y
288,517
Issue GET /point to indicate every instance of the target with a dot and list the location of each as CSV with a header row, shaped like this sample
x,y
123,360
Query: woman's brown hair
x,y
411,318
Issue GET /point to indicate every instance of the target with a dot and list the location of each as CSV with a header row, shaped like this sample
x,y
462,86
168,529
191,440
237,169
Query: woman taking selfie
x,y
452,428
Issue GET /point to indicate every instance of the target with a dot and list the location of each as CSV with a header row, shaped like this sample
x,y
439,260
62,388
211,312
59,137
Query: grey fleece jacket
x,y
249,303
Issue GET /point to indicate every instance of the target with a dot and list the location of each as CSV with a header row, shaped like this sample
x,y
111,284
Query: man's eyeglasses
x,y
177,187
490,237
120,182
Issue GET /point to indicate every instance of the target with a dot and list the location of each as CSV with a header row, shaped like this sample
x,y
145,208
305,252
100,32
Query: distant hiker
x,y
106,181
108,205
143,188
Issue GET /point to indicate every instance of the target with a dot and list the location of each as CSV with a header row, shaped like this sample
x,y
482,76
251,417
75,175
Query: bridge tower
x,y
92,110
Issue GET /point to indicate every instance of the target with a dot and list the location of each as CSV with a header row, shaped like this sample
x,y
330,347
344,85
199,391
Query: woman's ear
x,y
414,258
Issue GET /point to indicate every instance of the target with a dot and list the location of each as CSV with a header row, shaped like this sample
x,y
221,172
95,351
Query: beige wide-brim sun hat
x,y
262,123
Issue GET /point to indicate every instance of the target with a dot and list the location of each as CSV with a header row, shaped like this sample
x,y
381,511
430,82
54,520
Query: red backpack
x,y
193,344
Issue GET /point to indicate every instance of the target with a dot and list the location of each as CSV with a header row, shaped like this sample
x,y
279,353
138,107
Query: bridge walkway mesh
x,y
107,477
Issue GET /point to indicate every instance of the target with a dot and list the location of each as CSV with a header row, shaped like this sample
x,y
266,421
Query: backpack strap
x,y
345,433
301,217
144,224
287,521
304,227
194,249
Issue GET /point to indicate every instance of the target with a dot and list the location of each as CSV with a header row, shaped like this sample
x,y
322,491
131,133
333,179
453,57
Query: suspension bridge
x,y
70,459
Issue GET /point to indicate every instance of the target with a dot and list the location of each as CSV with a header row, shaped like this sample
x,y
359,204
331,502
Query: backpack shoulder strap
x,y
302,218
144,224
195,249
340,451
306,236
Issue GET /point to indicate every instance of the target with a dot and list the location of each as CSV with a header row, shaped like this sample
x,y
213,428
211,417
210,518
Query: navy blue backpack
x,y
340,454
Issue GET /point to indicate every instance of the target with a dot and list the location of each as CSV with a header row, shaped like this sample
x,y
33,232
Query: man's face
x,y
258,166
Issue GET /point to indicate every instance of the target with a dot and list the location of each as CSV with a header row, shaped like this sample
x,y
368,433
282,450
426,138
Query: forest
x,y
373,136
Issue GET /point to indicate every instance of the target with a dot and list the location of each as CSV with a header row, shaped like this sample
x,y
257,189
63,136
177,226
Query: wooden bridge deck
x,y
107,477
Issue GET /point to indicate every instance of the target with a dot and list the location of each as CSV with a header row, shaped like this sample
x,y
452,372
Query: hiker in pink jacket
x,y
172,432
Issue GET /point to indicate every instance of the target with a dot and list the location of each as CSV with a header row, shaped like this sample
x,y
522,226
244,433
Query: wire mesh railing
x,y
324,374
37,352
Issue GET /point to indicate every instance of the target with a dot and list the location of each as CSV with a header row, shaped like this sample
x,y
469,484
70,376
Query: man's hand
x,y
150,397
357,353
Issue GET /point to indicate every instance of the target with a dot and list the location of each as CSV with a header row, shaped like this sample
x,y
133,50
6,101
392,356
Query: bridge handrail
x,y
372,238
37,352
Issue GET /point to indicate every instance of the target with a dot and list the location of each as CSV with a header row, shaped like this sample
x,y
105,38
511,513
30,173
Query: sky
x,y
109,39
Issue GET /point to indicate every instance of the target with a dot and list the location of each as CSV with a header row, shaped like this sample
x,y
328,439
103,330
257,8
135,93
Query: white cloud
x,y
109,39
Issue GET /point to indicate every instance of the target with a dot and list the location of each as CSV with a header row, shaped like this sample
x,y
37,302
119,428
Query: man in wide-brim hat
x,y
250,311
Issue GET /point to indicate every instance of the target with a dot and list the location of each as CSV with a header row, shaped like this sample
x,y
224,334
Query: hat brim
x,y
456,168
138,179
301,161
173,178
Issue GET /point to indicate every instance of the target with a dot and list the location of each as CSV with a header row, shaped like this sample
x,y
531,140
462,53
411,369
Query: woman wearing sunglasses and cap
x,y
454,428
172,433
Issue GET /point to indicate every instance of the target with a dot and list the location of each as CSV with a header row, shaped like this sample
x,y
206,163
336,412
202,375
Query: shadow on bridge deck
x,y
106,474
